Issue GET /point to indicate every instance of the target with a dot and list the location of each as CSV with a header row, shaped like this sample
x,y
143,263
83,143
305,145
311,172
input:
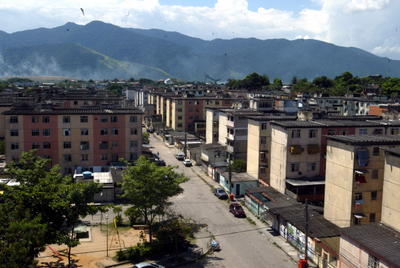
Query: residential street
x,y
243,244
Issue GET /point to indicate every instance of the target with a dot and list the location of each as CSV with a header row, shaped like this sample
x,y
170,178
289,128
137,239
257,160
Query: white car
x,y
187,162
147,265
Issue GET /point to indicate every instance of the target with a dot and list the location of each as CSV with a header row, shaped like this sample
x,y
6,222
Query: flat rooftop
x,y
367,139
377,239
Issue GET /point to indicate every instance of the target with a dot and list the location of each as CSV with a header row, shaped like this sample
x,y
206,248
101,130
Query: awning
x,y
361,171
359,215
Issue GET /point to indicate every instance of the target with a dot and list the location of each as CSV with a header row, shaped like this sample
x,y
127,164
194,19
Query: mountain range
x,y
99,50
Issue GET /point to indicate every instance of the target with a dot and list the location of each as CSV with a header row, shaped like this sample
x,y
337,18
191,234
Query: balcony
x,y
296,149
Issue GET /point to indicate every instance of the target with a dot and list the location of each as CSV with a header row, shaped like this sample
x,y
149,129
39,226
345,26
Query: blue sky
x,y
372,25
293,5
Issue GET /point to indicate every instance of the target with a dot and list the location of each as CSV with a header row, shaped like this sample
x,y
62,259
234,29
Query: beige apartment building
x,y
74,137
354,178
259,145
295,159
391,190
377,245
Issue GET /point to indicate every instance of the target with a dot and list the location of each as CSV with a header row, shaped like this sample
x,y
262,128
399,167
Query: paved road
x,y
243,244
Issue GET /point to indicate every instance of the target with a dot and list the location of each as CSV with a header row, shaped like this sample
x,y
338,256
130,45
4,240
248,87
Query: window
x,y
66,119
357,221
46,132
114,119
14,132
294,167
132,156
179,124
13,119
67,157
104,157
14,146
35,119
67,145
114,131
103,131
331,132
133,144
375,174
363,131
35,132
264,126
373,262
104,119
374,195
375,151
358,196
296,133
394,131
378,131
46,119
114,144
133,119
84,131
103,145
84,145
343,132
84,119
372,217
180,117
312,133
114,157
180,110
263,170
263,140
134,131
312,166
67,132
46,145
84,157
35,145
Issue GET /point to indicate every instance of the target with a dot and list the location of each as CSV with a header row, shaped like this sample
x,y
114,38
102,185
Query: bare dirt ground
x,y
93,250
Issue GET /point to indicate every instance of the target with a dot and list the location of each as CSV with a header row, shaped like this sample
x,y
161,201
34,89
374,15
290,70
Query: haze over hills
x,y
104,51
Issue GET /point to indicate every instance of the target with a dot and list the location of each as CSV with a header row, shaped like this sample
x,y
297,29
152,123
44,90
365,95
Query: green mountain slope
x,y
70,60
109,50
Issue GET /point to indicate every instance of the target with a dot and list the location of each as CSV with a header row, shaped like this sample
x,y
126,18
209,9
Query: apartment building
x,y
232,131
354,178
298,151
183,112
259,145
74,137
377,245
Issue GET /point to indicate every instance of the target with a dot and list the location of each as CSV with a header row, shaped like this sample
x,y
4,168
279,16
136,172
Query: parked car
x,y
237,210
147,265
150,130
220,193
180,156
160,163
187,162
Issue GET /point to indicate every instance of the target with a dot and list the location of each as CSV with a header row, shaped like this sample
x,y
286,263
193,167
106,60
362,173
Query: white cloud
x,y
368,24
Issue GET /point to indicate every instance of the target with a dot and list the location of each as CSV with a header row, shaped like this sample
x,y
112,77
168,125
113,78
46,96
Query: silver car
x,y
147,265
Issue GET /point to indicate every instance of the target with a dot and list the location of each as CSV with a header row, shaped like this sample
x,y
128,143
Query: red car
x,y
237,210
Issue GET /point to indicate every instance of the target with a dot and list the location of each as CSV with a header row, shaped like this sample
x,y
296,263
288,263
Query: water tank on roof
x,y
87,175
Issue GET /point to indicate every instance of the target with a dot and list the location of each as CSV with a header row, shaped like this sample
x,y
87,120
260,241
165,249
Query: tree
x,y
115,88
146,137
238,166
43,209
277,84
323,82
148,188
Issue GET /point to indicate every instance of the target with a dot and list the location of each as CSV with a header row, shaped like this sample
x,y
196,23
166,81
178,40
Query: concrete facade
x,y
391,190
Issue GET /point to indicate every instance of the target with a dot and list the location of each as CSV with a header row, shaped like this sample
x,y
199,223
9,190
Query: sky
x,y
372,25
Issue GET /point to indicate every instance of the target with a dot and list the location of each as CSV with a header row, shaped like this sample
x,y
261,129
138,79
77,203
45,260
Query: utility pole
x,y
306,238
185,146
107,235
230,174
